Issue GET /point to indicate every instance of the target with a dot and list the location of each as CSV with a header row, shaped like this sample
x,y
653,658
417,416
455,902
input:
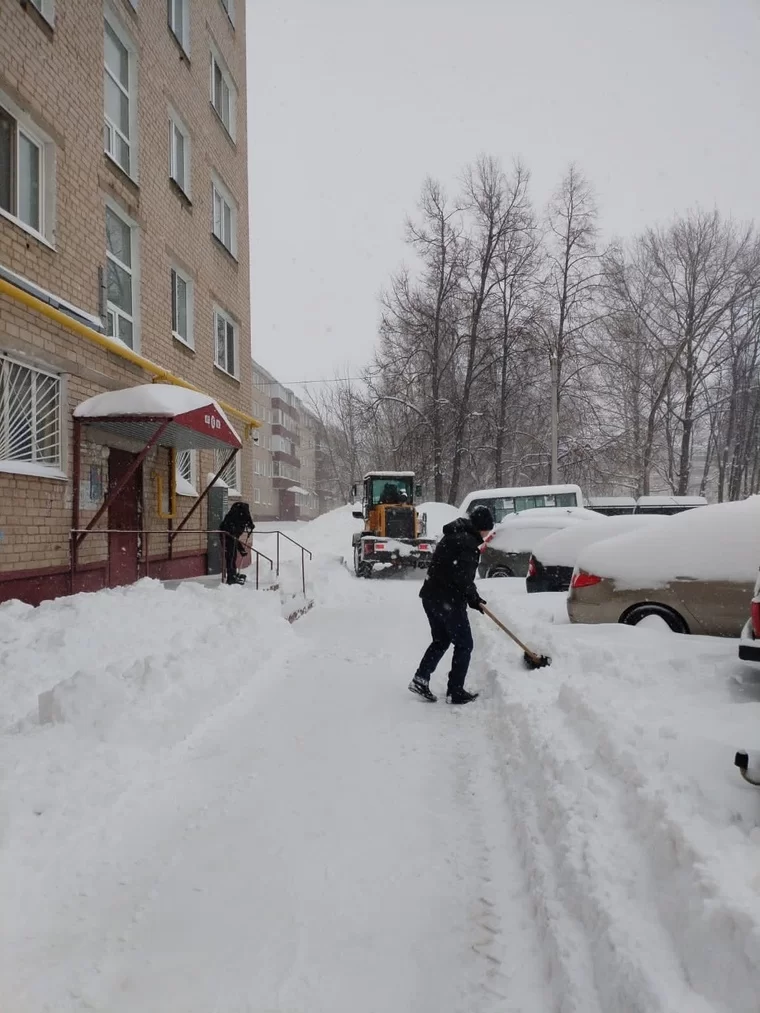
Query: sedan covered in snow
x,y
695,572
507,552
553,560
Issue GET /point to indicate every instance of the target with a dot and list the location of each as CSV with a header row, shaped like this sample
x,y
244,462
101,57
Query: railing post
x,y
277,571
257,571
303,571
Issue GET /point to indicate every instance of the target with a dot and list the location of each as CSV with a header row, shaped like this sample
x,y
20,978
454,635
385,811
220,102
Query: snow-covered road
x,y
234,814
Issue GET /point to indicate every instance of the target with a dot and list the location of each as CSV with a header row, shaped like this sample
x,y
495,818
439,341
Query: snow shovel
x,y
530,658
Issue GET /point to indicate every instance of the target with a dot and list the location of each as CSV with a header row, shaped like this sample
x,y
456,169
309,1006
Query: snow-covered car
x,y
507,552
749,645
553,560
695,572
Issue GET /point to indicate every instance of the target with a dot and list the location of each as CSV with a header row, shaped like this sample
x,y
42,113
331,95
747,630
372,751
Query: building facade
x,y
124,217
285,462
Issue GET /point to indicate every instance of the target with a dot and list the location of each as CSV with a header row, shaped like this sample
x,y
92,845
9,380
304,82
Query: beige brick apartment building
x,y
285,461
123,207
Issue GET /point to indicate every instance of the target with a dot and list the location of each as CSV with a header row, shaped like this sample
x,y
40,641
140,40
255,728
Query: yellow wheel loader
x,y
394,533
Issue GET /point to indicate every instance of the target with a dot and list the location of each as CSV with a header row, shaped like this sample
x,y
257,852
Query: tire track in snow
x,y
628,888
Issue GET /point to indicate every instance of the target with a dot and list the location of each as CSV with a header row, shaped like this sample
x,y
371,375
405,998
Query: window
x,y
27,168
186,465
178,14
257,495
120,264
257,467
223,94
182,307
225,355
46,9
30,415
229,6
179,153
231,474
119,99
225,216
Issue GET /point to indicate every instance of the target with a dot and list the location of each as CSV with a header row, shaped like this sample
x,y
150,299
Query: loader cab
x,y
388,504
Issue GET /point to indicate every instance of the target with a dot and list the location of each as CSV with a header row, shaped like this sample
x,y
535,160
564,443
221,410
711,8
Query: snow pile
x,y
522,532
437,514
562,548
719,542
135,661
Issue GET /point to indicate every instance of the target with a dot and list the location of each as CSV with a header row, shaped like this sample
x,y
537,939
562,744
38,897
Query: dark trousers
x,y
449,625
230,556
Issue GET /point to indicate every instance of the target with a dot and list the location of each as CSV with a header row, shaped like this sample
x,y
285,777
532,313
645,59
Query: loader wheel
x,y
361,569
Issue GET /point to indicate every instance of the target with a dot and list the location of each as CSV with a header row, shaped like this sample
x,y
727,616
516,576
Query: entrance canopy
x,y
172,416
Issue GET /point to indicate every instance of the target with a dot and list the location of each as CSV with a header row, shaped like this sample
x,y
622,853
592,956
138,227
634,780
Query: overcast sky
x,y
353,102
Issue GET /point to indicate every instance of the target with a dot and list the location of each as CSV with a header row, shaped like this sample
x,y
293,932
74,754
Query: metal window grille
x,y
186,465
230,474
30,415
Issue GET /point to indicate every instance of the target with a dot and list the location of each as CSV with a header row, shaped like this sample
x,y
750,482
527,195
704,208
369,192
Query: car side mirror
x,y
358,515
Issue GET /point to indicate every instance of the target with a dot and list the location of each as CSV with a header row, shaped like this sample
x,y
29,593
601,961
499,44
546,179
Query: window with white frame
x,y
257,495
223,93
182,306
231,474
178,13
224,224
186,466
121,260
27,171
229,6
256,466
30,416
46,9
225,333
179,153
120,97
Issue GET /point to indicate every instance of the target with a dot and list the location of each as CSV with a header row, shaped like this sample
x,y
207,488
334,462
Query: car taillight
x,y
532,567
585,580
755,613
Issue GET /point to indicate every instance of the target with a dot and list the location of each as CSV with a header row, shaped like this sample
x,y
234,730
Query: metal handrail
x,y
144,556
304,553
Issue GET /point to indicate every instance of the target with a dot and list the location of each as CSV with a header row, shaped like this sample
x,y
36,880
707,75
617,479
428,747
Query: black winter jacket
x,y
451,574
237,520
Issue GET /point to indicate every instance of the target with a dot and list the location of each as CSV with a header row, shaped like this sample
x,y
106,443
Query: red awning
x,y
196,422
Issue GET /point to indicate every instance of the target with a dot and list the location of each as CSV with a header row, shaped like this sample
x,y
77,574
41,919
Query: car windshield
x,y
392,490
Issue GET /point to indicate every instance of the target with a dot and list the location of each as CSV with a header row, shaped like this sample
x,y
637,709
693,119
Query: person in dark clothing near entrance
x,y
236,522
447,592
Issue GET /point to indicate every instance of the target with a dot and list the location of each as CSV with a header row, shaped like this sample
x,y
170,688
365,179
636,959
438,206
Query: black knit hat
x,y
482,518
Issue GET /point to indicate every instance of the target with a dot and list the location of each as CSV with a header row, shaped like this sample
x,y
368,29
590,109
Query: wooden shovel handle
x,y
534,657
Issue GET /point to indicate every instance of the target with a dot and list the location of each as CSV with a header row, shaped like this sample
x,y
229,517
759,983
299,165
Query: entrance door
x,y
123,514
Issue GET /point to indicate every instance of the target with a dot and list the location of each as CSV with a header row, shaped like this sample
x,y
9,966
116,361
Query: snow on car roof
x,y
522,532
718,542
562,547
608,501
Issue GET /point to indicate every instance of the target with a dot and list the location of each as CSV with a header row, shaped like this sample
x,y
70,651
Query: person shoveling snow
x,y
448,589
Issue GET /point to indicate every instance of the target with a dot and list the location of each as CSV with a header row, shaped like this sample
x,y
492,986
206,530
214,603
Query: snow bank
x,y
438,514
719,542
562,548
522,532
134,661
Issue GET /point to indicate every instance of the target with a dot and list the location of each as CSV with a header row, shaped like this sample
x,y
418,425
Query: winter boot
x,y
422,688
460,696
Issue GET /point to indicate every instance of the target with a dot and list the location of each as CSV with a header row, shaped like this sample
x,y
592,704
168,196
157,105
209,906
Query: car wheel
x,y
500,571
638,613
